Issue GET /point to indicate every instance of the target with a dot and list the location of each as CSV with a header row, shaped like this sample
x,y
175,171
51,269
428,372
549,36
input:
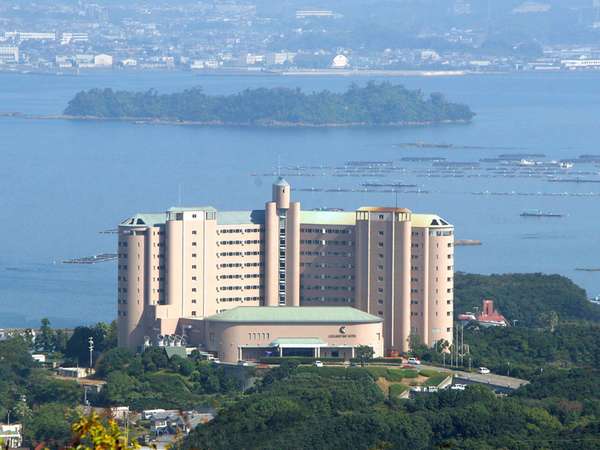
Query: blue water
x,y
63,182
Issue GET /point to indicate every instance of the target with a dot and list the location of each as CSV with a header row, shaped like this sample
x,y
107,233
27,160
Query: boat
x,y
539,213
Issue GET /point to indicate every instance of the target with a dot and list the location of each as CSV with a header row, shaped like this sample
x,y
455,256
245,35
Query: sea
x,y
64,182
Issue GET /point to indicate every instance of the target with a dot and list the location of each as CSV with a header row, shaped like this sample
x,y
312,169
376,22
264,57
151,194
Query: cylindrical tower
x,y
425,287
441,285
133,333
293,255
403,316
281,193
271,254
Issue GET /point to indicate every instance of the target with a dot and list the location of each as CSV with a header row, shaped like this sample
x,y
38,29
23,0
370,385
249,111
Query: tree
x,y
45,339
364,353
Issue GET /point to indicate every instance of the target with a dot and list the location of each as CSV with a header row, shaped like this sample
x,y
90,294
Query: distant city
x,y
463,37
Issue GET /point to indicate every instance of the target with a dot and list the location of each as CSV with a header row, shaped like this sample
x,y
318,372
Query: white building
x,y
29,36
103,60
73,38
129,62
340,62
580,63
9,55
11,435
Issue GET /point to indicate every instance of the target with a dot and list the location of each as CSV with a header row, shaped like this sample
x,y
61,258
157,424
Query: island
x,y
375,104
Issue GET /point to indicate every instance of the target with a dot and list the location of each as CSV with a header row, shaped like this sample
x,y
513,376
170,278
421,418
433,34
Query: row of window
x,y
253,253
240,242
327,265
326,277
238,230
324,242
237,288
326,288
309,253
239,299
259,336
327,299
325,230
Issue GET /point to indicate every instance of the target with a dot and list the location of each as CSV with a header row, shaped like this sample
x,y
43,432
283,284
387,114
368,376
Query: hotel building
x,y
178,271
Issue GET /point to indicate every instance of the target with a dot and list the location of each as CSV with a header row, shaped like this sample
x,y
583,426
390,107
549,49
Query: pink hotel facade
x,y
179,270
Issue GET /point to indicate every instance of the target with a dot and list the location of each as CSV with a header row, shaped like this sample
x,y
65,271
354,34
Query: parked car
x,y
318,364
414,361
458,387
241,362
483,370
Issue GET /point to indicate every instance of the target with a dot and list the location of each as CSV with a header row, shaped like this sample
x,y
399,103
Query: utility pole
x,y
91,348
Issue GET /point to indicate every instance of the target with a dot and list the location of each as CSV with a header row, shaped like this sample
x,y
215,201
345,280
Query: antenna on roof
x,y
179,193
278,166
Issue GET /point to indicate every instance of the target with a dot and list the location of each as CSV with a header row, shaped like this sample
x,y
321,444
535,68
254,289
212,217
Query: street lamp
x,y
91,348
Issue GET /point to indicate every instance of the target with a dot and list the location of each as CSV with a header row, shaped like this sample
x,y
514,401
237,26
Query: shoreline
x,y
217,123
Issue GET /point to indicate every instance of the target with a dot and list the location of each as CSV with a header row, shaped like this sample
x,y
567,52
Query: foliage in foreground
x,y
307,410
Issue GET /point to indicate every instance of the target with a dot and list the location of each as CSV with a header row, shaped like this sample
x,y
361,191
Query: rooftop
x,y
295,314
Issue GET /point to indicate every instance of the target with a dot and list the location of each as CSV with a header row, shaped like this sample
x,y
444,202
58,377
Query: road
x,y
489,379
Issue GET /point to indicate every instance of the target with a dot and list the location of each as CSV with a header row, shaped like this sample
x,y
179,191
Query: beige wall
x,y
226,339
327,265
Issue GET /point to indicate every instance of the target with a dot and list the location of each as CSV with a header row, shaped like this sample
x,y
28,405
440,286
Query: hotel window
x,y
379,267
380,233
448,330
193,278
193,244
380,313
449,313
379,289
381,216
193,255
193,266
193,289
194,216
381,255
194,300
380,301
194,232
193,313
379,278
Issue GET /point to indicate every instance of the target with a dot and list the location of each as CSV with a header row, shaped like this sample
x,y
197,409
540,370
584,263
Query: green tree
x,y
364,353
45,339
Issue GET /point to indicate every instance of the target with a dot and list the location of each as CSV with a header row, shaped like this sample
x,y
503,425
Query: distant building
x,y
9,55
274,59
340,62
29,36
11,435
72,372
532,8
306,13
488,317
253,58
129,62
572,64
73,38
103,60
41,358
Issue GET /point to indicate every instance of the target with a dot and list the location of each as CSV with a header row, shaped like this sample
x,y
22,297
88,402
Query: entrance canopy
x,y
298,343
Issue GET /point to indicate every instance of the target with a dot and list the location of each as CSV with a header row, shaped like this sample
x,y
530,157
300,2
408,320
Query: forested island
x,y
376,104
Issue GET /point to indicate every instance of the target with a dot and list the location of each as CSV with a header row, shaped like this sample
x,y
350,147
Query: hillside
x,y
525,297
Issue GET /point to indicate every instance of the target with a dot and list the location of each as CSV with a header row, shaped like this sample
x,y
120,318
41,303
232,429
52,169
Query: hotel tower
x,y
180,267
